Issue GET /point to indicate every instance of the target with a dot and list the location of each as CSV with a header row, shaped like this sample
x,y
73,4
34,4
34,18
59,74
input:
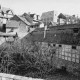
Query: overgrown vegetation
x,y
25,59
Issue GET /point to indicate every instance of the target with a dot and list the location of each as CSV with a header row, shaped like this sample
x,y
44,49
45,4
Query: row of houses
x,y
17,23
23,22
10,24
53,18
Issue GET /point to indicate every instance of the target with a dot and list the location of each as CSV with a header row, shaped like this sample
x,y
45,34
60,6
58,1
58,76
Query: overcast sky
x,y
38,6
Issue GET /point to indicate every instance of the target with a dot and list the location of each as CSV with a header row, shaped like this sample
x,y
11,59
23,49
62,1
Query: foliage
x,y
27,62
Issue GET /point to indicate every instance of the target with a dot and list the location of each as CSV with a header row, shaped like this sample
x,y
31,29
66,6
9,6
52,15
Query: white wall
x,y
55,16
4,76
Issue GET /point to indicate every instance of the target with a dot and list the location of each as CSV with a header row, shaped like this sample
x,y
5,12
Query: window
x,y
75,30
54,45
73,47
60,45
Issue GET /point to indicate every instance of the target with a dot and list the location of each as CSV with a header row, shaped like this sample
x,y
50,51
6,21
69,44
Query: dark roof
x,y
61,36
20,18
27,17
61,16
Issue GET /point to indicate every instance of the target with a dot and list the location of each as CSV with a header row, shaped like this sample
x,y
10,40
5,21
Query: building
x,y
50,16
27,17
21,23
33,19
6,12
5,15
67,19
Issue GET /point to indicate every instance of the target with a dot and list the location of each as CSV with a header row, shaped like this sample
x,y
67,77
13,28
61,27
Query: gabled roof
x,y
20,18
62,16
24,20
28,18
6,10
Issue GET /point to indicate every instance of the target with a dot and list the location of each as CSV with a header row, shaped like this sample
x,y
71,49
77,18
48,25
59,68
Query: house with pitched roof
x,y
32,18
20,24
5,15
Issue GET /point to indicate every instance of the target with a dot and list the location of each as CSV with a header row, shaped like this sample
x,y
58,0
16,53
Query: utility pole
x,y
45,28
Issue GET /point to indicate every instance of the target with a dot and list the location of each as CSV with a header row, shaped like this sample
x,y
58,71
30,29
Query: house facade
x,y
67,19
50,16
21,23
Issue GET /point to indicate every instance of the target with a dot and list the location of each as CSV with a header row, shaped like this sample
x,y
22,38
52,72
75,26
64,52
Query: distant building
x,y
49,17
67,19
20,23
5,15
62,19
27,17
6,12
33,19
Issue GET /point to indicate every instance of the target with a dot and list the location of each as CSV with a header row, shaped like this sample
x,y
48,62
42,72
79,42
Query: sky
x,y
70,7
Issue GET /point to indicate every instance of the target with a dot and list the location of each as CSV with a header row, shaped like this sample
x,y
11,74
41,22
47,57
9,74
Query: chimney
x,y
37,17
